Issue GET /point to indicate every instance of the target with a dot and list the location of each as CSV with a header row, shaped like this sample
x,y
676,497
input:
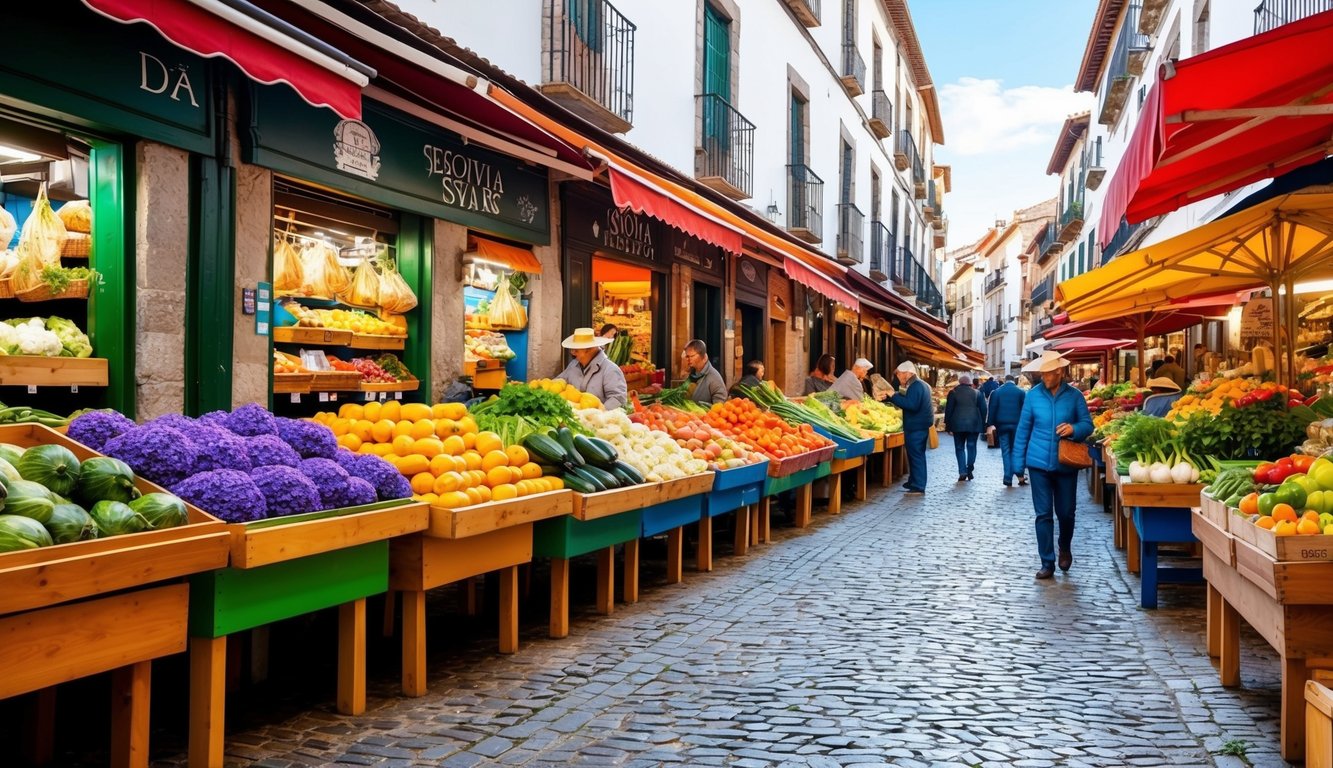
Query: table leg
x,y
763,526
606,580
1214,622
1131,547
39,727
1294,675
886,479
675,555
352,657
1229,651
803,506
862,473
1118,523
741,541
130,690
559,597
1148,578
509,609
761,511
703,550
835,494
631,566
208,700
470,587
386,628
414,642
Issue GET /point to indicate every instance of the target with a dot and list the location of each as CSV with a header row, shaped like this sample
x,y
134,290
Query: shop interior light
x,y
10,154
24,143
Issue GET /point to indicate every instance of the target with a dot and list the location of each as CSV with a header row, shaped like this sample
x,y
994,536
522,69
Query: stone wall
x,y
546,311
254,241
448,243
162,242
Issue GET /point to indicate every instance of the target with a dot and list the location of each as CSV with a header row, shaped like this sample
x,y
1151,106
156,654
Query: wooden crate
x,y
801,461
894,440
483,518
595,505
31,370
336,381
1159,494
377,341
279,539
300,334
292,383
1214,538
410,385
1287,549
1213,509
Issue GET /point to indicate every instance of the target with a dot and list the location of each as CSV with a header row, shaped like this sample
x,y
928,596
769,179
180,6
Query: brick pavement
x,y
907,631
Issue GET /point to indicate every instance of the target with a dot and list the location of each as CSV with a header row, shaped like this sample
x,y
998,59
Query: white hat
x,y
584,338
1049,361
861,362
906,366
1162,382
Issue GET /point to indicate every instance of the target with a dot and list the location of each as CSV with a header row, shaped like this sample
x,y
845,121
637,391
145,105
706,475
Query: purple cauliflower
x,y
227,494
161,454
252,419
216,418
311,440
94,428
286,491
329,478
176,421
359,492
389,482
218,448
269,450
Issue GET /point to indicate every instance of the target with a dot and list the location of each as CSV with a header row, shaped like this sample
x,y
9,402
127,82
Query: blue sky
x,y
1004,70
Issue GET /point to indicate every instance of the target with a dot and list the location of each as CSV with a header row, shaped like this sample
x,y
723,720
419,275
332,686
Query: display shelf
x,y
377,341
594,505
292,383
409,385
463,522
336,381
300,334
34,371
1292,549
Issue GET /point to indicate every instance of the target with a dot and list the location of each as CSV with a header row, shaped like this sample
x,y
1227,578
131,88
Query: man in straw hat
x,y
918,409
1165,392
592,371
1052,411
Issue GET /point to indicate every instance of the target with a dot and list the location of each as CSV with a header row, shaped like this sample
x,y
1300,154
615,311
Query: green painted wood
x,y
775,485
110,326
233,599
415,259
210,287
824,469
567,537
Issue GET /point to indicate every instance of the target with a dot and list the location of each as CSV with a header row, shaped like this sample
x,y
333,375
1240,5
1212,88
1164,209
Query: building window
x,y
799,122
586,18
1081,263
846,173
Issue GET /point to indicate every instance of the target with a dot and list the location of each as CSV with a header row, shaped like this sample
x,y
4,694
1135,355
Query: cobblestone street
x,y
907,631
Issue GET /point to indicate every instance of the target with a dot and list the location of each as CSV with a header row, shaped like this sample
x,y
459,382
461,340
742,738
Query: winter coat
x,y
1004,406
602,379
708,386
1035,443
988,387
964,410
917,406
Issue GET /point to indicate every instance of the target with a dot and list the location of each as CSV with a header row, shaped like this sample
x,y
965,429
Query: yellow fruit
x,y
441,463
1307,527
352,411
430,447
453,445
350,441
445,427
571,394
469,439
430,498
497,476
474,495
524,487
467,424
484,492
422,428
531,470
422,482
414,465
391,410
472,459
518,455
515,474
454,500
362,428
340,427
504,492
454,411
382,449
402,445
449,481
382,431
402,428
554,482
1285,528
494,459
415,411
371,411
489,441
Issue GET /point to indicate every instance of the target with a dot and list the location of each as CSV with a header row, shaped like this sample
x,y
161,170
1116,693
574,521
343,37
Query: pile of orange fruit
x,y
1220,392
449,462
765,432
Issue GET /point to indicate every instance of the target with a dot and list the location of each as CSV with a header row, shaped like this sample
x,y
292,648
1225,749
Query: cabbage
x,y
69,522
19,533
105,479
29,499
114,518
54,466
161,510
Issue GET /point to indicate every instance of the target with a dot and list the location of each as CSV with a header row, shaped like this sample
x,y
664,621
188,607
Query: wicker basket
x,y
77,246
6,288
77,289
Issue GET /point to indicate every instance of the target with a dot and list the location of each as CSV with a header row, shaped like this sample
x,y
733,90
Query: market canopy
x,y
1152,321
1087,345
266,48
1215,122
642,195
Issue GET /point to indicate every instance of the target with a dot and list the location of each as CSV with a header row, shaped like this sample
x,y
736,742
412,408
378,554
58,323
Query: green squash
x,y
8,473
54,466
11,453
29,499
70,522
114,518
161,510
19,533
105,479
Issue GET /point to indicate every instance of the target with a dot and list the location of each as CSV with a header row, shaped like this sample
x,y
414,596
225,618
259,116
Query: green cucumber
x,y
594,451
545,449
578,484
588,479
566,440
623,469
601,475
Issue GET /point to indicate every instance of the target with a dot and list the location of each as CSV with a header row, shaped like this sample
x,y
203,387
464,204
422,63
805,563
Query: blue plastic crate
x,y
849,449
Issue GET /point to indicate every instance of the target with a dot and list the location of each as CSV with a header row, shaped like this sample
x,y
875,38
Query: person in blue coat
x,y
1002,412
964,417
1052,411
918,416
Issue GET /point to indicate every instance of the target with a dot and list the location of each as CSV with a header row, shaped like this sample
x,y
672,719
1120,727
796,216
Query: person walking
x,y
1052,412
1002,412
706,386
591,370
821,378
918,409
988,386
1170,369
964,416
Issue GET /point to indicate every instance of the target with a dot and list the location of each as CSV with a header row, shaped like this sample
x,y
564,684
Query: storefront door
x,y
751,321
707,325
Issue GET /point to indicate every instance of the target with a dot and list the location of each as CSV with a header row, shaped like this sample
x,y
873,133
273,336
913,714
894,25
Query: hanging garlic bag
x,y
396,295
506,311
324,276
44,232
364,290
288,272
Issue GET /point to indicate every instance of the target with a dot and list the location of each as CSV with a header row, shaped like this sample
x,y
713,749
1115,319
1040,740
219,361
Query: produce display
x,y
481,344
341,320
585,464
1292,496
1212,397
871,414
742,420
44,337
696,436
48,497
655,455
812,411
540,402
1150,448
22,414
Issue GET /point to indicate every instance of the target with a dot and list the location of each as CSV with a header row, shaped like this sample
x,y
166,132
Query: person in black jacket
x,y
964,416
1002,410
918,409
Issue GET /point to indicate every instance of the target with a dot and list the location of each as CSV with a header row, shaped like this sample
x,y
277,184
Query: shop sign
x,y
779,296
700,256
397,160
752,279
593,219
1256,323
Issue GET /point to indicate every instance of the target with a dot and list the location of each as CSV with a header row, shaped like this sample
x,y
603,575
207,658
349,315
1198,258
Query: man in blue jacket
x,y
1052,411
918,416
1003,409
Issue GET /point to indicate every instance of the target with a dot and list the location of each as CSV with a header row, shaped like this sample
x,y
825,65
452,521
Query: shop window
x,y
495,305
585,17
624,296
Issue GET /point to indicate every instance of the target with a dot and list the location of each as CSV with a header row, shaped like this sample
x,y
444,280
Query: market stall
x,y
495,278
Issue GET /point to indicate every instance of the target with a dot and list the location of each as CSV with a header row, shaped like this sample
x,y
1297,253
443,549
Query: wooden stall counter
x,y
736,490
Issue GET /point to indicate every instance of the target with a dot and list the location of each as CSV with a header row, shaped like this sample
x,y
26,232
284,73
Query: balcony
x,y
1048,243
724,161
965,300
930,206
1127,60
903,260
853,70
589,62
1119,240
1043,324
1071,221
881,114
941,234
993,280
805,204
881,255
851,234
1043,291
1272,14
995,326
1096,171
806,11
1150,16
905,156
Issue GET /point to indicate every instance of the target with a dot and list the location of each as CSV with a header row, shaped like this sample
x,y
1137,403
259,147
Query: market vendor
x,y
849,385
706,385
609,331
591,370
1165,393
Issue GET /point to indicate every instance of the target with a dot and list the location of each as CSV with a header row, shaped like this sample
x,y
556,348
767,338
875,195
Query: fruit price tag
x,y
384,396
323,397
369,396
397,395
32,389
333,396
74,389
296,397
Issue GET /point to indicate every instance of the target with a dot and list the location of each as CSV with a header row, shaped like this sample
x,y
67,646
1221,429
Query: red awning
x,y
1164,319
1247,111
812,279
517,259
267,50
641,196
1085,344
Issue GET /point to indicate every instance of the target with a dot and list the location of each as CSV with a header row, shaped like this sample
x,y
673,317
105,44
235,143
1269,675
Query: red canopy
x,y
1165,319
1247,111
642,197
1086,344
812,278
266,51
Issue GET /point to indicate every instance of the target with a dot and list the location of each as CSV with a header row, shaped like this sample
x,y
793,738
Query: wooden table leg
x,y
763,524
886,479
675,555
352,657
703,550
390,599
1131,547
559,597
862,473
606,580
39,727
470,587
208,700
1294,675
1117,525
761,510
1228,669
741,541
509,609
1213,624
803,506
414,642
835,494
631,566
130,690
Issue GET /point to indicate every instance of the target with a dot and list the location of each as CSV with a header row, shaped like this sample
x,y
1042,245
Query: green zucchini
x,y
545,449
566,439
624,479
594,451
601,475
621,468
588,479
578,484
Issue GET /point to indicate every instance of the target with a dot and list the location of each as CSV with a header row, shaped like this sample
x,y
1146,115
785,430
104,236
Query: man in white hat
x,y
849,385
1165,393
1052,411
591,370
918,409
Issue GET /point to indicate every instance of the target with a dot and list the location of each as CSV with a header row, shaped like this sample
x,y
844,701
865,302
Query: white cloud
x,y
981,116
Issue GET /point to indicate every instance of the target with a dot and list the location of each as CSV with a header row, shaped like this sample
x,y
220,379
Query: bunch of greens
x,y
537,405
829,399
1267,429
511,429
57,278
1141,437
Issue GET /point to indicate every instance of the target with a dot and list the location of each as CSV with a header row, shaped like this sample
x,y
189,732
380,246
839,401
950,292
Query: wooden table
x,y
1290,604
895,458
1161,514
460,544
670,516
736,490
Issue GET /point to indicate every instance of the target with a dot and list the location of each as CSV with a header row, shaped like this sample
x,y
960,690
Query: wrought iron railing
x,y
1073,212
1041,292
1272,14
728,143
881,239
1093,151
853,64
1128,41
965,300
902,262
881,108
590,46
993,281
851,232
907,146
1119,240
805,201
1048,241
995,326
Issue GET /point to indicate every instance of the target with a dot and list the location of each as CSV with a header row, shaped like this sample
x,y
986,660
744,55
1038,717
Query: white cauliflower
x,y
34,339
